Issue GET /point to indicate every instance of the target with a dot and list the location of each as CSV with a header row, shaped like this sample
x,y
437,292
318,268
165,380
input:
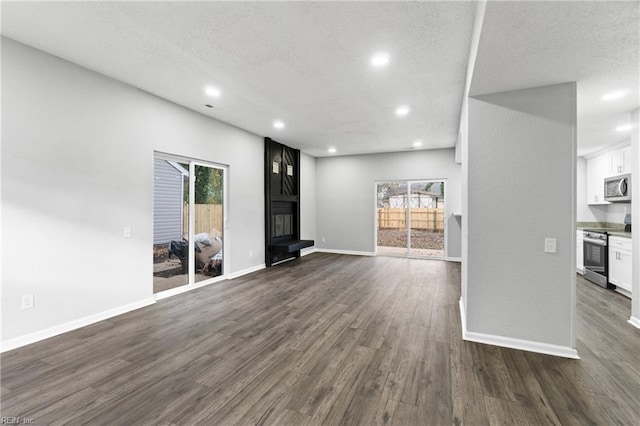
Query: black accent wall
x,y
282,203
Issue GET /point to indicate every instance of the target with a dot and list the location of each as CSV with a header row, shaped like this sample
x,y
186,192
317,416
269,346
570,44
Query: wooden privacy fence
x,y
208,217
432,219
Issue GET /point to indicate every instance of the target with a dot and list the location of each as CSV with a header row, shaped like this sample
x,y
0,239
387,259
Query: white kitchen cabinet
x,y
598,168
620,161
605,165
579,252
626,160
620,262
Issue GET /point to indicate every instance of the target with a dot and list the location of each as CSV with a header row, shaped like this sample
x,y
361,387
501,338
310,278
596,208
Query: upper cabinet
x,y
621,161
598,168
605,165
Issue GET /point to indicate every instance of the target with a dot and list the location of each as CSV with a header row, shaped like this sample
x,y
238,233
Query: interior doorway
x,y
189,216
410,218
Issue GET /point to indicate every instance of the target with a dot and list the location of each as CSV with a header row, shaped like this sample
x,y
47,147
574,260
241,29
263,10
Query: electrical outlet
x,y
324,240
549,245
27,301
250,253
127,232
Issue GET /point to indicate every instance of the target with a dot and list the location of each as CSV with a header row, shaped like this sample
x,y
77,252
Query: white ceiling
x,y
307,63
597,44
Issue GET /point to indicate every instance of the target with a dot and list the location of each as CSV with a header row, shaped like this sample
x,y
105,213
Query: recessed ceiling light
x,y
417,143
278,124
332,150
380,59
614,95
402,110
212,91
623,128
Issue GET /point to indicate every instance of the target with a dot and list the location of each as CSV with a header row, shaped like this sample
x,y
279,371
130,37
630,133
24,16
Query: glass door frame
x,y
375,213
191,284
409,182
192,222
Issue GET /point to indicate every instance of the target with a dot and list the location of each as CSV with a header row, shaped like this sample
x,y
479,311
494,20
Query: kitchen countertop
x,y
619,234
614,229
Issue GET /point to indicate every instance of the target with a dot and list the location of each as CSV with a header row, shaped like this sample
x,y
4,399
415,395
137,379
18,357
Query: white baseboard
x,y
523,345
246,271
210,281
172,292
453,259
463,317
185,288
91,319
509,342
306,251
623,292
27,339
634,321
349,252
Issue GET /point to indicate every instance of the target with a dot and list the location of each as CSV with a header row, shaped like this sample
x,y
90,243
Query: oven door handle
x,y
596,242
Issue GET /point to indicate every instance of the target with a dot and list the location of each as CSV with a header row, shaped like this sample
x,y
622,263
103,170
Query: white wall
x,y
635,221
585,212
521,180
617,211
462,148
77,167
345,194
307,197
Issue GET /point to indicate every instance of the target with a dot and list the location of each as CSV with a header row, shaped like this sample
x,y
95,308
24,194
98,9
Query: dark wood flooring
x,y
326,339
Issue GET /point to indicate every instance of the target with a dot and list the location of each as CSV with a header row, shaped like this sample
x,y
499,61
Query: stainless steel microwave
x,y
618,188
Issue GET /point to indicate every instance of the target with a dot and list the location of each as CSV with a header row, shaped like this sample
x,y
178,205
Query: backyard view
x,y
171,224
410,218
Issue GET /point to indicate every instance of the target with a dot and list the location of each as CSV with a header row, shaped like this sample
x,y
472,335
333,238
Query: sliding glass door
x,y
208,222
188,223
410,218
426,223
170,224
392,216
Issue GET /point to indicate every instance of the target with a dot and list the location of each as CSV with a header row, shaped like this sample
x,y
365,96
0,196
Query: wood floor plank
x,y
467,396
365,395
36,398
434,397
285,417
571,404
325,339
526,389
507,413
255,403
406,414
336,399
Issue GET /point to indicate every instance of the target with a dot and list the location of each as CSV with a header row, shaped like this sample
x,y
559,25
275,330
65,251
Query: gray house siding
x,y
167,202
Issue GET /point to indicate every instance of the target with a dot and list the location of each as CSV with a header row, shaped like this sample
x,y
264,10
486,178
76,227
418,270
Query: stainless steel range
x,y
596,262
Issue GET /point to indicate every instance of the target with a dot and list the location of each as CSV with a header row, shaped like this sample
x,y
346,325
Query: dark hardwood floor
x,y
326,339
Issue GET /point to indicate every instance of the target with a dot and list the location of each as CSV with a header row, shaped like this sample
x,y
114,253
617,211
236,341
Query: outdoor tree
x,y
203,185
387,190
208,186
215,186
436,195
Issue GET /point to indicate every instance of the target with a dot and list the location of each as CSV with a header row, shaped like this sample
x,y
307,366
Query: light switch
x,y
127,232
549,245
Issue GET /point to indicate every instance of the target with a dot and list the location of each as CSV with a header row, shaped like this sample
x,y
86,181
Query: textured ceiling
x,y
307,63
304,63
597,44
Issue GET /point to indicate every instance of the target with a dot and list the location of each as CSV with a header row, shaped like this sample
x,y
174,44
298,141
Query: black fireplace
x,y
282,203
